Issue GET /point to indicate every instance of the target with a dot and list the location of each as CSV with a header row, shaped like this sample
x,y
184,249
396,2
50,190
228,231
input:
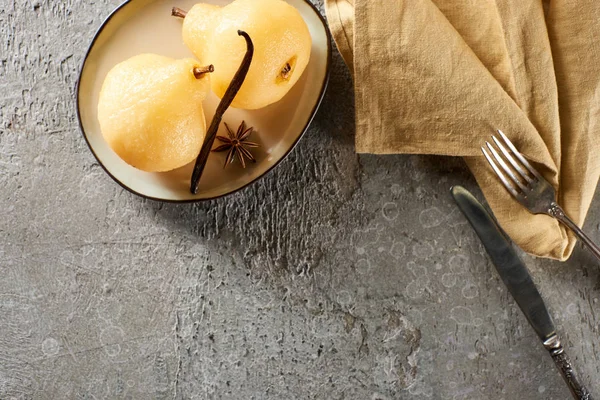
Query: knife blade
x,y
517,279
511,269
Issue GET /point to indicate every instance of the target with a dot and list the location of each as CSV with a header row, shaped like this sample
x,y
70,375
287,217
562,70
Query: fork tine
x,y
505,167
512,161
500,175
519,155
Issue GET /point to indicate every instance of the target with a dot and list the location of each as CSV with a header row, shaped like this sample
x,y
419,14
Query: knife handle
x,y
562,361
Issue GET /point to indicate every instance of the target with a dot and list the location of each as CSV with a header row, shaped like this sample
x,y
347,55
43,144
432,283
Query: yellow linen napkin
x,y
440,76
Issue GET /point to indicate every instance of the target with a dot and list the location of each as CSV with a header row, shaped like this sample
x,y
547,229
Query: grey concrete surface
x,y
337,277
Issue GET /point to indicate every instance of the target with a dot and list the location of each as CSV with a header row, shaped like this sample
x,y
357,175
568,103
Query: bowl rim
x,y
313,112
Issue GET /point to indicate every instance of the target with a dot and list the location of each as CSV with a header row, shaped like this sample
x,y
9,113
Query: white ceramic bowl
x,y
145,26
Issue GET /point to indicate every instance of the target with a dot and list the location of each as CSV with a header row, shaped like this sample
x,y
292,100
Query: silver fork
x,y
528,186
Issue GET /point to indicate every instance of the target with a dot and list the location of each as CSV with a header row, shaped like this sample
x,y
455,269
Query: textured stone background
x,y
337,277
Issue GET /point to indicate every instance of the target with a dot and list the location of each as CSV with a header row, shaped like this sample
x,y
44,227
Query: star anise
x,y
236,144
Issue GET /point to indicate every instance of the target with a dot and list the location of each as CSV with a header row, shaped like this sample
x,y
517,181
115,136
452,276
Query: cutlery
x,y
516,277
528,186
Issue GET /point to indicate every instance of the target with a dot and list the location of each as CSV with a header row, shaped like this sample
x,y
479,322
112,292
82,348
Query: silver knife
x,y
516,277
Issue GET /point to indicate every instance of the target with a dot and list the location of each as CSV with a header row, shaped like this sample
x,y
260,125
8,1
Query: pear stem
x,y
199,72
178,12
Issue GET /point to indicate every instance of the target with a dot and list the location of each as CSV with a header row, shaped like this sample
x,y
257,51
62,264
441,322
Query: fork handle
x,y
557,212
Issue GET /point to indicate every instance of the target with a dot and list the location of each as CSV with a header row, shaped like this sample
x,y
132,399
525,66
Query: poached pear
x,y
150,111
281,39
